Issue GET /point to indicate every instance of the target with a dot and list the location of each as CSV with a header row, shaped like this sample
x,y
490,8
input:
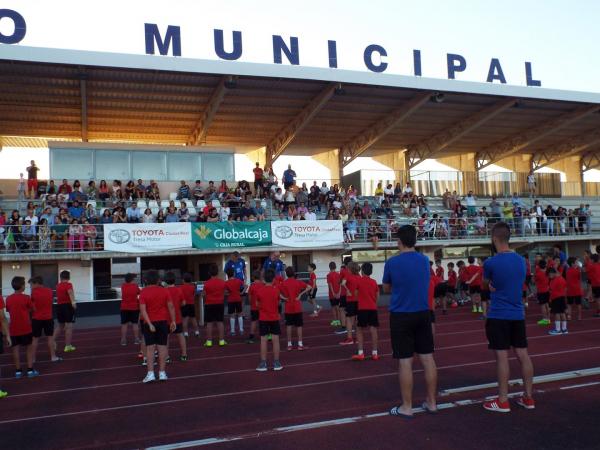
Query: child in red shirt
x,y
19,306
543,291
234,287
267,300
592,269
312,294
256,285
130,308
474,277
368,295
292,290
4,336
462,282
333,287
350,282
574,290
188,310
450,288
177,299
42,320
65,309
558,302
439,270
214,300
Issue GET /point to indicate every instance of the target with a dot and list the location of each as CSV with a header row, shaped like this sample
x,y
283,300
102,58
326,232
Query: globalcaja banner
x,y
147,237
308,233
229,235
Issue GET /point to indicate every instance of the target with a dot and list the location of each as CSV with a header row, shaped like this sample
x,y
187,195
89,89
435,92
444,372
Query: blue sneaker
x,y
18,374
554,333
262,367
32,373
277,366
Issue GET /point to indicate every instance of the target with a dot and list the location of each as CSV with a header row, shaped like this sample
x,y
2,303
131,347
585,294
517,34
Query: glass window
x,y
184,166
217,166
149,165
112,165
65,163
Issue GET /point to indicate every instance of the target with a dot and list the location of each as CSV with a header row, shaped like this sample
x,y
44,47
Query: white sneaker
x,y
149,377
185,334
162,376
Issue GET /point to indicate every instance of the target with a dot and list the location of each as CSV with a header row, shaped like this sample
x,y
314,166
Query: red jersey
x,y
541,281
474,271
431,271
431,293
214,292
62,292
527,268
452,278
462,274
574,282
351,285
156,299
41,297
177,299
277,280
2,305
312,282
268,303
252,292
558,287
189,293
367,293
19,307
333,283
593,273
439,272
234,290
343,274
291,289
130,293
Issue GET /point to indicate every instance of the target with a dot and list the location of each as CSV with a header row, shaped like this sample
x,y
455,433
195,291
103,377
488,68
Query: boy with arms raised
x,y
267,300
368,295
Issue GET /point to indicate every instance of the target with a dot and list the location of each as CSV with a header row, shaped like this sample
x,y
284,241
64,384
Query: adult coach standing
x,y
274,263
504,273
238,265
289,177
406,276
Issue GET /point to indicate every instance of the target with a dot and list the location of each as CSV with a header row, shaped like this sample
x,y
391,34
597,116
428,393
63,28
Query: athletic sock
x,y
300,344
564,325
360,352
557,325
289,343
232,324
241,324
374,352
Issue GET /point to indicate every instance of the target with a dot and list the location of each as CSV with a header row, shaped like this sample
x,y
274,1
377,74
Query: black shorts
x,y
188,311
351,309
574,300
464,286
543,297
558,305
159,336
596,291
432,315
214,313
528,279
411,333
334,301
269,327
234,308
485,296
178,329
367,318
65,313
254,315
450,290
474,289
23,340
129,316
312,294
294,319
524,294
440,290
343,301
504,334
37,326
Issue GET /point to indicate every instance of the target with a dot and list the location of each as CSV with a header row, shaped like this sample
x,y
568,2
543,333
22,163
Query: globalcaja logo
x,y
284,232
203,232
119,236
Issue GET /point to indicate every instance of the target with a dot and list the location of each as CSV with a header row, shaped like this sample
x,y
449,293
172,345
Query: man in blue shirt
x,y
289,177
274,263
504,274
238,265
406,277
76,211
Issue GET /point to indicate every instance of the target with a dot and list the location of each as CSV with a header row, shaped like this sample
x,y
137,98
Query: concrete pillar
x,y
396,160
571,167
331,160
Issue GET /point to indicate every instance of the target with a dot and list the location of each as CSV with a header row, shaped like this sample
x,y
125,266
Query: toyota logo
x,y
284,232
119,236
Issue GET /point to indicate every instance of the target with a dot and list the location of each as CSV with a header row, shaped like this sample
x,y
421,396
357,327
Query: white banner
x,y
307,233
147,237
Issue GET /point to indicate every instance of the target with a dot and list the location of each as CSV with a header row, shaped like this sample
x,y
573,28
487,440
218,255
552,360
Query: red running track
x,y
95,398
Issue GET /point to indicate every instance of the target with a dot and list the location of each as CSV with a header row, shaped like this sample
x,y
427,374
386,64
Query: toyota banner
x,y
307,233
147,237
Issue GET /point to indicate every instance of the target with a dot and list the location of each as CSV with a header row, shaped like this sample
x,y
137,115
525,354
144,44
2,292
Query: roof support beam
x,y
566,149
431,147
365,140
84,106
590,161
210,111
514,144
286,135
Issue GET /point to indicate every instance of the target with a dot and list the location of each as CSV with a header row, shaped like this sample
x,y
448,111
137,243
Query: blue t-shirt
x,y
276,265
289,175
408,273
238,268
506,273
76,212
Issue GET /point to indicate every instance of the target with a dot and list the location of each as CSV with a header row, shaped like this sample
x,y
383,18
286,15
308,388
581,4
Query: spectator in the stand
x,y
537,214
388,193
471,202
548,218
198,191
289,198
116,192
134,213
91,191
31,216
495,210
75,235
184,213
366,209
397,192
120,216
76,194
76,210
374,233
515,200
302,195
271,181
386,210
245,192
247,210
213,215
508,215
223,190
561,217
90,233
148,217
311,215
140,189
152,191
90,214
211,192
129,191
65,187
160,217
103,193
302,209
259,211
351,229
588,218
351,195
258,179
171,215
32,180
379,193
289,177
44,236
48,216
224,213
446,199
51,191
28,236
184,191
408,191
106,217
531,184
518,219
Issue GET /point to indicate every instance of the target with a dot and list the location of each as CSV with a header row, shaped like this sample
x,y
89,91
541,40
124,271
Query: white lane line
x,y
255,391
576,386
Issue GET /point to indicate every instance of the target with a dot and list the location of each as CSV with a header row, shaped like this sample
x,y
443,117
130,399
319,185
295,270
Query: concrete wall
x,y
330,160
464,163
516,163
21,269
